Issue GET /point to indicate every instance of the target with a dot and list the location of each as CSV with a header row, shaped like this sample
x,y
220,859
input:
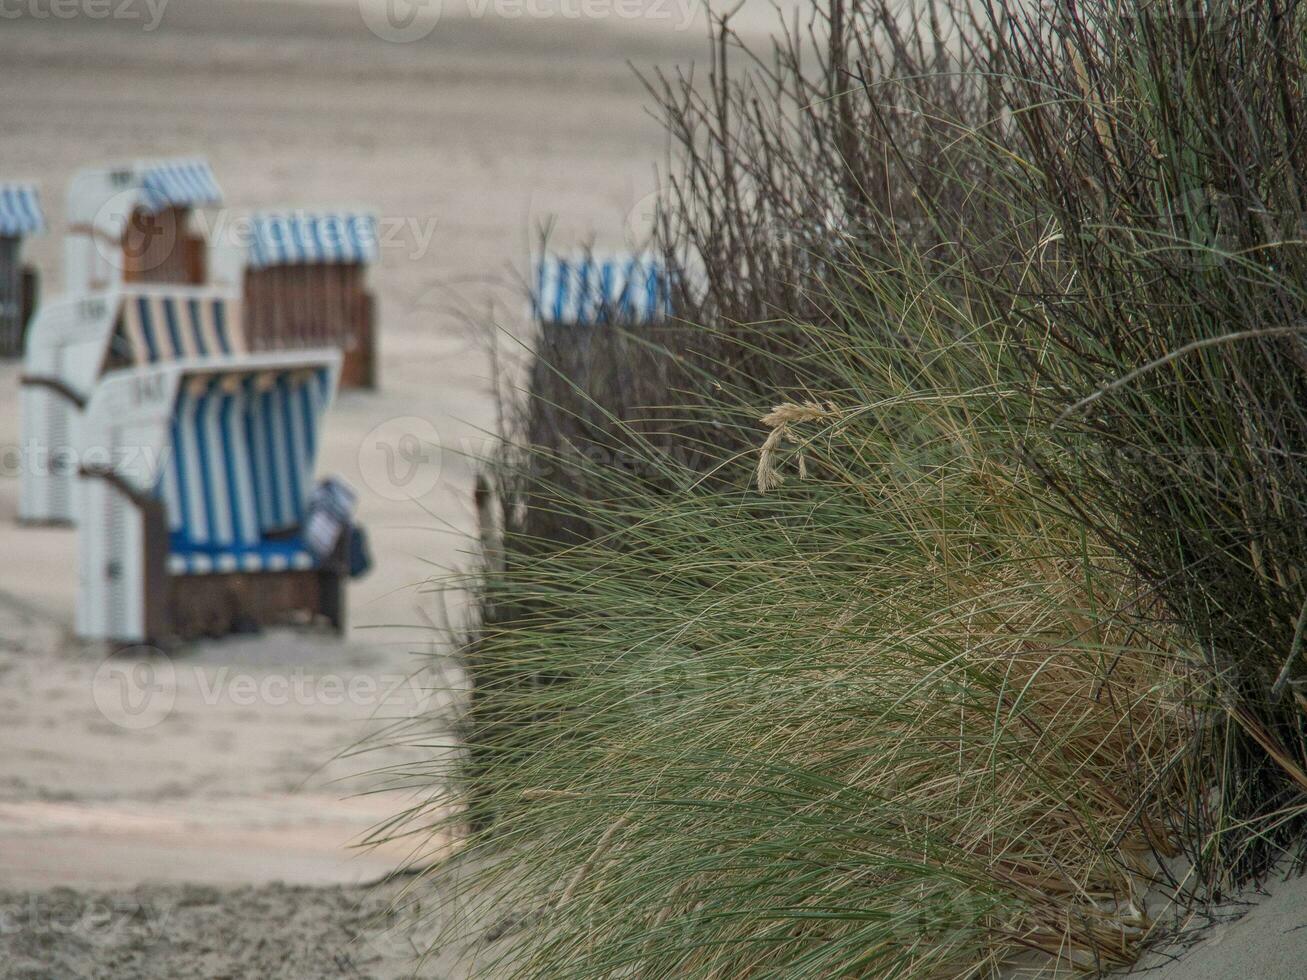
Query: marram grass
x,y
872,697
897,716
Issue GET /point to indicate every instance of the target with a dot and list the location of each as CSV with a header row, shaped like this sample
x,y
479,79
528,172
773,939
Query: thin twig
x,y
1294,650
1175,355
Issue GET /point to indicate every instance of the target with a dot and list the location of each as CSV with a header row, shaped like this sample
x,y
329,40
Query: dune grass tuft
x,y
956,579
900,714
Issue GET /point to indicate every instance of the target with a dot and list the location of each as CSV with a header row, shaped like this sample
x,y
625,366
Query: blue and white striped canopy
x,y
178,183
301,238
585,290
240,470
20,210
158,328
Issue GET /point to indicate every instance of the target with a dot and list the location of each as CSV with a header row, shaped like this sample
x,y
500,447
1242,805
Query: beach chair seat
x,y
195,478
73,341
185,558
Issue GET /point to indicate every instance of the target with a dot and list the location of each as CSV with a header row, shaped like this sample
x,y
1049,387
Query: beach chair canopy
x,y
588,289
20,211
73,340
104,198
312,238
228,445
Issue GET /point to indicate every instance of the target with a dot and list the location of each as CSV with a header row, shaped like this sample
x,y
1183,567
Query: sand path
x,y
206,829
461,144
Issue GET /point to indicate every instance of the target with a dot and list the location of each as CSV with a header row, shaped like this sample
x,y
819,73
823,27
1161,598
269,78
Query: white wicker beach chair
x,y
73,341
194,479
132,223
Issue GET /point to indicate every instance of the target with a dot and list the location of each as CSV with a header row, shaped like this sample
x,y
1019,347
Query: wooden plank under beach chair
x,y
306,285
132,223
73,341
194,478
20,217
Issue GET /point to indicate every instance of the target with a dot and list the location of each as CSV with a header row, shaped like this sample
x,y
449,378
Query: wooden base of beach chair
x,y
218,605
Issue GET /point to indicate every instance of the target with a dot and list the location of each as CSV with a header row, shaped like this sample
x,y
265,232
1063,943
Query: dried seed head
x,y
788,413
779,420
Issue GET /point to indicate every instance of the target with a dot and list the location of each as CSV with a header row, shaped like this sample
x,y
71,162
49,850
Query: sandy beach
x,y
225,808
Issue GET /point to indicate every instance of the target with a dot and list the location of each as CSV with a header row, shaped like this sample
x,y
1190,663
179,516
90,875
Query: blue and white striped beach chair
x,y
20,217
131,222
306,285
194,478
20,210
588,289
73,341
298,237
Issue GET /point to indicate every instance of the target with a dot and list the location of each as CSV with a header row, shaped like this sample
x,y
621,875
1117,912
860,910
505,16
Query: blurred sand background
x,y
465,143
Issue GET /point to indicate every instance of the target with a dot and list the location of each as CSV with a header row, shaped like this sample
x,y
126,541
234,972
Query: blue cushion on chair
x,y
288,554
